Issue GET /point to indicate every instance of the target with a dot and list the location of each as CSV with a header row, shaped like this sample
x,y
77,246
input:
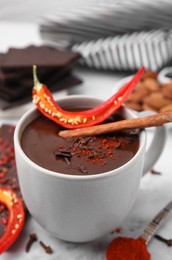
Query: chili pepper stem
x,y
37,84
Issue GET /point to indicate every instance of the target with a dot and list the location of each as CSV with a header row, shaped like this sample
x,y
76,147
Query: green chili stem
x,y
37,84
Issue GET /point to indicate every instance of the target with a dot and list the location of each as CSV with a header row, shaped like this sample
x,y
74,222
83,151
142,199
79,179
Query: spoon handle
x,y
150,230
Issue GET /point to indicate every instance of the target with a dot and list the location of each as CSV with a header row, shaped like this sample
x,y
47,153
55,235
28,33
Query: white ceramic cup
x,y
82,208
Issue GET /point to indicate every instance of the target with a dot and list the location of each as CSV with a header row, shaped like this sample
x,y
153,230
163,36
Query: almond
x,y
156,100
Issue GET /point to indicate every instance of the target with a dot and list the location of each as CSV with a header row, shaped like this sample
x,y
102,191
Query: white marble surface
x,y
154,193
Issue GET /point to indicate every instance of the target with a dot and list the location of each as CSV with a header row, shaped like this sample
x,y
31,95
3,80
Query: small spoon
x,y
137,247
150,230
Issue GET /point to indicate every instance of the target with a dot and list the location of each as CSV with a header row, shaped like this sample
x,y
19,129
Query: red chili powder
x,y
123,248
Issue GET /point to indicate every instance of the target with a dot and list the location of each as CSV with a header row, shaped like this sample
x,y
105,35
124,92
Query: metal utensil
x,y
150,230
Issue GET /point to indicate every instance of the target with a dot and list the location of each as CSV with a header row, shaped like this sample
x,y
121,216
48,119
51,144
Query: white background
x,y
32,10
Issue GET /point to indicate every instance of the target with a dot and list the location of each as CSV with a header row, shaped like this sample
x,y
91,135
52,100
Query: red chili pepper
x,y
15,220
45,103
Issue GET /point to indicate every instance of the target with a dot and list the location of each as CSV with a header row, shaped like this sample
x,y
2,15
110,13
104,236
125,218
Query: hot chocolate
x,y
79,155
74,206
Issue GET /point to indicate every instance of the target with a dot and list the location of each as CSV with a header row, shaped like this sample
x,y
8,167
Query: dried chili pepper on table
x,y
45,103
15,219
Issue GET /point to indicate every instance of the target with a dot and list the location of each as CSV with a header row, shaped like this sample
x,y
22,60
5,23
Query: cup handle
x,y
156,146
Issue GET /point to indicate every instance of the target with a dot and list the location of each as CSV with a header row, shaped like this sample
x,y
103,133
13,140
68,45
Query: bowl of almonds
x,y
150,94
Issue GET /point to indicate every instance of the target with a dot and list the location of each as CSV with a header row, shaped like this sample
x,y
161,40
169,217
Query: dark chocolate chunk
x,y
61,84
41,56
16,75
15,90
2,56
63,154
83,168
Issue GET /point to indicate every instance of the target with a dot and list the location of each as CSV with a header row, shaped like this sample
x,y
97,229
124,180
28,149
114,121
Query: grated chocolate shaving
x,y
67,160
63,153
83,168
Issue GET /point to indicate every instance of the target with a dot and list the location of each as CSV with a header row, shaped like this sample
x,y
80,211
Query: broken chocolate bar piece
x,y
42,56
61,84
15,90
16,73
2,56
21,75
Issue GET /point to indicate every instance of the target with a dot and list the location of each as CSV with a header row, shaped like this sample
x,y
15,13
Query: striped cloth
x,y
152,49
116,35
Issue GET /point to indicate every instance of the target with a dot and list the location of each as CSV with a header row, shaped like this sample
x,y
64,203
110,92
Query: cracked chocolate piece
x,y
42,56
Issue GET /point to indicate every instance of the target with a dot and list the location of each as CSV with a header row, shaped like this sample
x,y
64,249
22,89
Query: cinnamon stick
x,y
126,124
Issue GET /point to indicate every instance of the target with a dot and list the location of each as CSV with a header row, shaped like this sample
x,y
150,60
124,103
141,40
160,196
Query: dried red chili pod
x,y
46,104
15,220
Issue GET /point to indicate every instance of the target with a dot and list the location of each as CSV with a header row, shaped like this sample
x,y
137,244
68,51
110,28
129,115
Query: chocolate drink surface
x,y
78,155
